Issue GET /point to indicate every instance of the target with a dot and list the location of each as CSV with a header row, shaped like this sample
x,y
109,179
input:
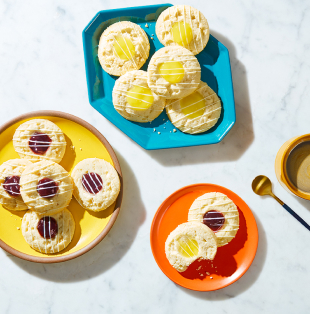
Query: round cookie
x,y
48,233
185,26
96,184
10,172
173,72
188,242
123,47
218,212
197,112
46,186
39,139
134,100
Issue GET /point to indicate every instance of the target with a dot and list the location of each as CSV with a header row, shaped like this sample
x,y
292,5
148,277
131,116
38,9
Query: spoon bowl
x,y
261,185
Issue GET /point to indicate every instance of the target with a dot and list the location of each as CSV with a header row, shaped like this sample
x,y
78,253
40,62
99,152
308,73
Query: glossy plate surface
x,y
231,260
215,71
91,227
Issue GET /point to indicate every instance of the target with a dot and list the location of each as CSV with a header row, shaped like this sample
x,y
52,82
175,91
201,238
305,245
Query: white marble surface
x,y
42,67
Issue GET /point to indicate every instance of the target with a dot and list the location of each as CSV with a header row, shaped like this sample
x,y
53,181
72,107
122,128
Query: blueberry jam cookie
x,y
185,26
190,241
39,139
219,213
96,184
10,172
173,72
134,100
46,186
123,47
48,233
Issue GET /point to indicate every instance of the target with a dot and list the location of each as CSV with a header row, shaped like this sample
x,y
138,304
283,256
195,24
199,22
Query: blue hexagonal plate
x,y
215,71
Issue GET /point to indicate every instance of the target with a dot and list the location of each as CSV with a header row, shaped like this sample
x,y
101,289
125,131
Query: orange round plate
x,y
231,260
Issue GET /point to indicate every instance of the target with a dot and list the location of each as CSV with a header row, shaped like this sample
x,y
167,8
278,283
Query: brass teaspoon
x,y
261,185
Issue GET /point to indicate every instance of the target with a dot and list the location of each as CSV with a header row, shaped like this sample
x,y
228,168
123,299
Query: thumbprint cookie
x,y
10,172
185,26
219,213
173,72
123,47
46,186
197,112
48,233
39,139
190,241
134,100
96,184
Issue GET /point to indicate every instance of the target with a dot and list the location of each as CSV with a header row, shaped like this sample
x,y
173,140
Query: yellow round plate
x,y
83,141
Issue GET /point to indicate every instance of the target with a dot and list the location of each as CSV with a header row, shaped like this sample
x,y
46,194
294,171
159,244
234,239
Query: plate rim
x,y
107,228
156,216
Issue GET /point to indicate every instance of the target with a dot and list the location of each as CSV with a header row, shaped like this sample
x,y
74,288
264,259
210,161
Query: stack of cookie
x,y
213,221
38,183
173,78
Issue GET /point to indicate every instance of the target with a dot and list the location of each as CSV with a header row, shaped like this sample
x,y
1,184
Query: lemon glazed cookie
x,y
46,186
197,112
219,213
185,26
123,47
134,100
96,184
48,233
173,72
10,172
39,139
188,242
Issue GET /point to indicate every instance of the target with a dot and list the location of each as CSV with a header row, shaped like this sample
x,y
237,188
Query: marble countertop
x,y
42,67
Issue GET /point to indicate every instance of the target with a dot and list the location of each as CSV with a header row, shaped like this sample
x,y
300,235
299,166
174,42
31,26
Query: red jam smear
x,y
47,227
47,188
11,185
39,143
92,182
214,220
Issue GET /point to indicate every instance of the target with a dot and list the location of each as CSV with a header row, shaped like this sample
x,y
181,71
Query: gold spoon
x,y
261,185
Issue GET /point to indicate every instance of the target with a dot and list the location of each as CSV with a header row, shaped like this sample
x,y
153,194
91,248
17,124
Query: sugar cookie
x,y
185,26
188,242
39,139
173,72
10,172
123,47
219,213
197,112
48,233
46,186
96,184
134,100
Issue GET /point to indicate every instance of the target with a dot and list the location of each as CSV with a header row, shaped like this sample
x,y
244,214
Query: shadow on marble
x,y
303,202
246,281
237,141
110,250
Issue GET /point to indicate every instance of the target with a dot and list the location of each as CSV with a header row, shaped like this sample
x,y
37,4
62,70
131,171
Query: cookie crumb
x,y
80,148
174,130
211,277
152,38
18,228
199,267
207,273
201,274
79,139
158,132
154,130
153,35
146,25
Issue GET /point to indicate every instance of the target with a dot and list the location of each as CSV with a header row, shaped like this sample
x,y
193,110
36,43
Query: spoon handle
x,y
296,216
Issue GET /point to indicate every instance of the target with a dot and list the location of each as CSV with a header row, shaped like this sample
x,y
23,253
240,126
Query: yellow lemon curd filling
x,y
182,33
140,97
124,48
188,246
193,105
172,71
